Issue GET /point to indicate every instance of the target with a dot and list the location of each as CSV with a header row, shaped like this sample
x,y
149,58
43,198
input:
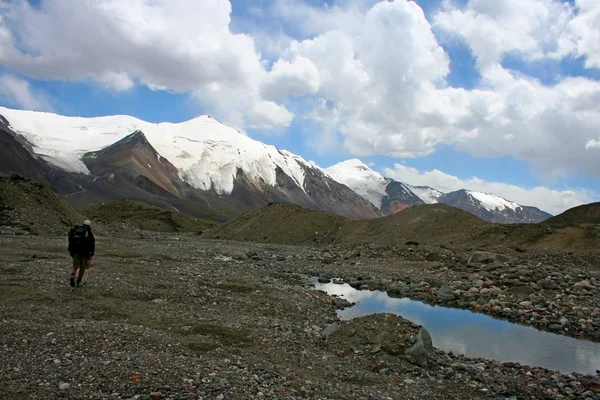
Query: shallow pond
x,y
476,335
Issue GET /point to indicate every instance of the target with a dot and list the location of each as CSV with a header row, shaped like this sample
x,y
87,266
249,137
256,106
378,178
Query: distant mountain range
x,y
391,196
204,168
200,167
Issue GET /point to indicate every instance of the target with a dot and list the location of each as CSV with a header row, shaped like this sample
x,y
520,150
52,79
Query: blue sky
x,y
462,95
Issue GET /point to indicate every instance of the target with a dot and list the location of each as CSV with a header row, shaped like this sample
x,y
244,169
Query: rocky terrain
x,y
175,317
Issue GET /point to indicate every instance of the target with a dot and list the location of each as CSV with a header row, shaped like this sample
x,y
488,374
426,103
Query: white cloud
x,y
584,31
550,200
180,46
533,28
17,91
592,144
383,74
295,78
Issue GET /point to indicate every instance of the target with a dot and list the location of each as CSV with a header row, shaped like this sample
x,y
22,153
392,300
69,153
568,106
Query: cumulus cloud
x,y
382,75
180,46
550,200
18,92
295,78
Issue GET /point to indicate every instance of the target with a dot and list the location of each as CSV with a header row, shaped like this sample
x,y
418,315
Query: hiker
x,y
82,245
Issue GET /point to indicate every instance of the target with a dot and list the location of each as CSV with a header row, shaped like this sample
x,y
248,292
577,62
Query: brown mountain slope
x,y
584,214
14,156
28,207
432,225
286,224
145,217
281,223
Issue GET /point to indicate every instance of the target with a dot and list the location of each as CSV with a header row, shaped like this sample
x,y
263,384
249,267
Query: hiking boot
x,y
72,281
79,284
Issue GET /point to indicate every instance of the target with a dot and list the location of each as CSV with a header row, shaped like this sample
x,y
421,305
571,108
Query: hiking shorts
x,y
80,261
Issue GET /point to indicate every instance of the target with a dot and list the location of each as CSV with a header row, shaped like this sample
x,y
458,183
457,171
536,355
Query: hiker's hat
x,y
87,222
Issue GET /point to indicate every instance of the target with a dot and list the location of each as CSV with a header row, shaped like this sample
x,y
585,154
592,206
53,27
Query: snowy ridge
x,y
207,153
425,193
359,177
492,202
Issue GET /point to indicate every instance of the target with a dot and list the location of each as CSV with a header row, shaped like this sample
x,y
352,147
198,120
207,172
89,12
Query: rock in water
x,y
422,351
394,290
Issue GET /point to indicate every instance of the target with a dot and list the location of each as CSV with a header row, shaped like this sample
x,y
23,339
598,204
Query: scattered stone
x,y
239,256
64,386
521,290
433,257
484,257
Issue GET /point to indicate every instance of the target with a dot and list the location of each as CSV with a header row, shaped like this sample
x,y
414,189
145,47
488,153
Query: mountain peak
x,y
353,163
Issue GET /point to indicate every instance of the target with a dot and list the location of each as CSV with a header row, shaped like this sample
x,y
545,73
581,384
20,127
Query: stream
x,y
474,334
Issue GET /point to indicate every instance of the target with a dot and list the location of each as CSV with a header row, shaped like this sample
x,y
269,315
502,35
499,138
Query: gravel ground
x,y
172,317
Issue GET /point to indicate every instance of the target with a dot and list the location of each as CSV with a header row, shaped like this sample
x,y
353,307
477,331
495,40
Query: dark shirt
x,y
87,245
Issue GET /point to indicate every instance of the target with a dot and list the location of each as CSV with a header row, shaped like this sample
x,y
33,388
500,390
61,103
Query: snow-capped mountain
x,y
493,208
363,180
392,196
122,156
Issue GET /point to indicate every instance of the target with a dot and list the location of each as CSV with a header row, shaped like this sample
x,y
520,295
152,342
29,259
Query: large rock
x,y
433,257
548,284
331,328
484,257
446,293
386,332
422,351
395,290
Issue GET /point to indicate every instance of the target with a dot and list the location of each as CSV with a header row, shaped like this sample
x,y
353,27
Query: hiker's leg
x,y
76,264
82,267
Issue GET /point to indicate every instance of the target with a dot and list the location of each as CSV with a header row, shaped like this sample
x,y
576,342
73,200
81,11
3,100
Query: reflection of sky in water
x,y
477,335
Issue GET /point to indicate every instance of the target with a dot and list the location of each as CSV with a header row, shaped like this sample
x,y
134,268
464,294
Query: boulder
x,y
548,284
584,285
329,330
422,351
446,293
239,256
395,290
521,290
433,257
484,257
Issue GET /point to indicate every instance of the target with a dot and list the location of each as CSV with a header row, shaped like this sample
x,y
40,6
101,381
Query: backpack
x,y
78,242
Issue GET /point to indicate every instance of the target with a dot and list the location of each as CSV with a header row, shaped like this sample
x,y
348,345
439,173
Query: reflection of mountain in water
x,y
477,335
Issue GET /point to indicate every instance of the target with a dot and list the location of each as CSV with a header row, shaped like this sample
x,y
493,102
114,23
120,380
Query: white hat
x,y
87,222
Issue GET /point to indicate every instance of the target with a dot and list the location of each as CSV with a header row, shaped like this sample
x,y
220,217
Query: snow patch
x,y
425,193
492,202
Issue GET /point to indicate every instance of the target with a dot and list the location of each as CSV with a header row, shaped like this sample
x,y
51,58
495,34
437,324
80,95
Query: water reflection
x,y
477,335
